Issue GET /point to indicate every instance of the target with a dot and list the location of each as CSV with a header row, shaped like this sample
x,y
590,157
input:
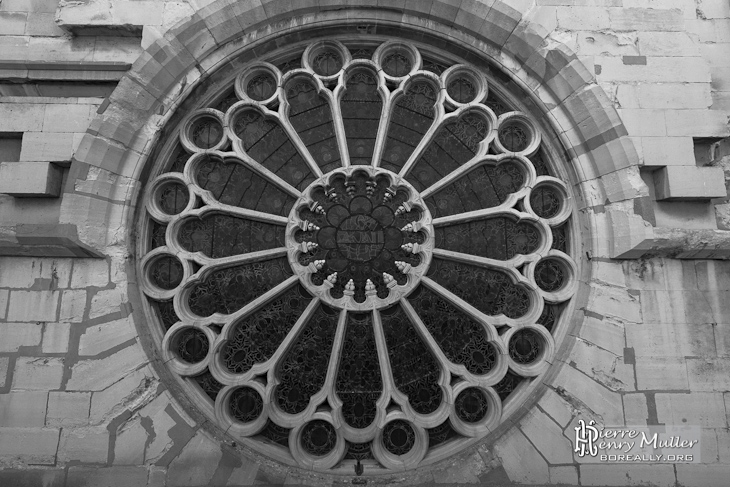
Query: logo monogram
x,y
585,438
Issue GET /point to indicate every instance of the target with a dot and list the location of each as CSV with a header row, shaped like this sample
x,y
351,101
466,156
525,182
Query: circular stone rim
x,y
414,274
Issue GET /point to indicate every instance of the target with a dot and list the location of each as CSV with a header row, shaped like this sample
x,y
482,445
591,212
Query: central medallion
x,y
360,237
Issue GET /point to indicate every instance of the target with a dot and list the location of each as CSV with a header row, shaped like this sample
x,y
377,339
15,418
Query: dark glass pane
x,y
228,290
471,405
234,184
166,272
497,105
507,385
441,434
514,137
311,116
462,339
545,201
318,437
303,368
191,345
361,107
560,241
268,144
291,63
327,62
396,65
167,314
245,404
358,451
412,116
255,338
398,437
179,158
361,53
495,238
261,87
208,384
490,291
550,275
359,384
453,145
206,132
549,316
173,198
157,235
434,66
415,370
538,160
277,434
484,187
222,235
525,346
227,101
461,89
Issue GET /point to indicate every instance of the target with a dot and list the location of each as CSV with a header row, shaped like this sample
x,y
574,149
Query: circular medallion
x,y
360,238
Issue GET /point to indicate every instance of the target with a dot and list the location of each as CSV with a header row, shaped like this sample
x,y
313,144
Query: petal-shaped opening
x,y
255,338
461,338
415,370
218,235
227,290
359,384
361,107
497,238
232,183
302,370
490,291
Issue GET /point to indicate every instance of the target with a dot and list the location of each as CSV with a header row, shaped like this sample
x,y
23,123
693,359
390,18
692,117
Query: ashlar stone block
x,y
33,305
197,463
689,183
30,179
68,409
29,446
16,335
704,409
23,408
37,373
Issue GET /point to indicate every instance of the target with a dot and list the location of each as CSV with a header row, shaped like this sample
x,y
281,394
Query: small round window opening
x,y
358,255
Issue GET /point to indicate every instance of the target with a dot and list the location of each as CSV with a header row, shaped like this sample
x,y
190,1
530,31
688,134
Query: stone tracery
x,y
359,211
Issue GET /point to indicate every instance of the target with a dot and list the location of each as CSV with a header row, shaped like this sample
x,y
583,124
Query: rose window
x,y
358,255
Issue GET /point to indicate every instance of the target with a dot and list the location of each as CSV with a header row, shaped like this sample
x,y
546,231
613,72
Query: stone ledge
x,y
30,179
59,240
689,183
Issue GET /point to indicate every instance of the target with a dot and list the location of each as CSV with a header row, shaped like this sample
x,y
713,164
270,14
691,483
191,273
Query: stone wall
x,y
81,403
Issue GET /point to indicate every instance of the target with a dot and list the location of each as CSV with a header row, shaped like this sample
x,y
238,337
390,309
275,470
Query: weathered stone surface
x,y
196,464
709,374
33,305
133,391
131,439
16,335
661,373
567,475
90,272
88,444
635,409
30,179
50,147
37,373
625,475
670,339
688,182
96,375
55,337
547,436
699,408
100,338
73,305
68,409
521,460
108,476
555,407
585,393
602,366
106,302
28,446
23,409
702,475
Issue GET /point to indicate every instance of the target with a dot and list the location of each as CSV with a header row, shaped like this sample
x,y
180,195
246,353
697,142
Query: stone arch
x,y
119,140
604,163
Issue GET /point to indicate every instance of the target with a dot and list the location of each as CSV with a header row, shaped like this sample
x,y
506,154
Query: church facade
x,y
387,242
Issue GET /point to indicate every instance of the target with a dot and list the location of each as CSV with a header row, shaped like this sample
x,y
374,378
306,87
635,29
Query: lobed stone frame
x,y
604,164
446,111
